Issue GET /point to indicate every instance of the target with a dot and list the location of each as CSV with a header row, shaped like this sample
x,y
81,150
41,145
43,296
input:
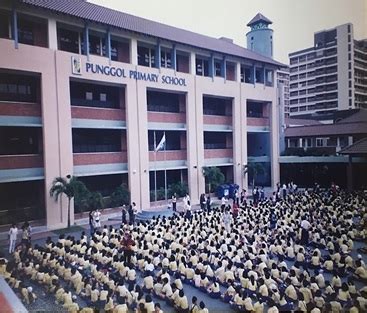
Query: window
x,y
4,25
269,77
218,68
68,40
202,67
319,142
97,45
146,56
25,32
166,59
96,140
259,75
247,74
16,88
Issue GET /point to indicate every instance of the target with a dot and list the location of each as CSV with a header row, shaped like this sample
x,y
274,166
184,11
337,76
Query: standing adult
x,y
26,234
91,223
123,215
127,244
305,227
202,202
97,219
208,203
13,232
284,190
262,194
174,202
227,220
186,202
131,215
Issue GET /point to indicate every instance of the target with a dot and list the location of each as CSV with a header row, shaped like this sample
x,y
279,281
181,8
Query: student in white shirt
x,y
13,232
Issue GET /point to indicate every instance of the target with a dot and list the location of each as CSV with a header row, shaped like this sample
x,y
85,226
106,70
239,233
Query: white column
x,y
134,51
238,72
274,142
192,63
238,126
350,140
300,142
52,34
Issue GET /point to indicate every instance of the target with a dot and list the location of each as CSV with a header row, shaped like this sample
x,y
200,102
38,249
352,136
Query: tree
x,y
213,176
95,201
120,196
69,187
253,169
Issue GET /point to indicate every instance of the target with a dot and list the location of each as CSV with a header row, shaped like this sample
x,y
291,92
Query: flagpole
x,y
165,168
155,169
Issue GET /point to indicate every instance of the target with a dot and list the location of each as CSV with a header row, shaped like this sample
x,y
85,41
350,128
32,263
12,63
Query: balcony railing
x,y
21,161
100,158
218,153
171,155
20,109
166,117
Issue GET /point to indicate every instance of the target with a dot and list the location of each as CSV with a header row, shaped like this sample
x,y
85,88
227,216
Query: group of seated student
x,y
253,267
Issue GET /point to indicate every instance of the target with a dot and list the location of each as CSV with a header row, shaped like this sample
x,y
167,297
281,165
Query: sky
x,y
294,21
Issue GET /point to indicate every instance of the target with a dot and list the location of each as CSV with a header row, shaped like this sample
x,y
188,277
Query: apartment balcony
x,y
8,162
99,158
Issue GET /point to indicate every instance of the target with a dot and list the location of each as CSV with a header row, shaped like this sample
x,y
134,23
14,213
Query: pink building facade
x,y
93,112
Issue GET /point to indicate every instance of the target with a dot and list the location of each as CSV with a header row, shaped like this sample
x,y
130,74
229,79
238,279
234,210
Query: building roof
x,y
95,13
353,124
358,148
359,116
301,122
259,18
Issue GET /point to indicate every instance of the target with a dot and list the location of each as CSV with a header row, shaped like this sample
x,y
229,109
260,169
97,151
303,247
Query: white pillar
x,y
238,72
192,63
134,51
52,34
300,142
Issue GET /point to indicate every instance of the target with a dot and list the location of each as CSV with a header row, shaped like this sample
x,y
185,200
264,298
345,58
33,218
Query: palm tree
x,y
214,176
254,169
69,187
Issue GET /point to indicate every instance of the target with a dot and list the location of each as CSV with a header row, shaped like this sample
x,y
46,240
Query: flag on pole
x,y
161,144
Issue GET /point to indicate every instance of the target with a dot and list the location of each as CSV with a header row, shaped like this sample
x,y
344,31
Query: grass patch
x,y
71,229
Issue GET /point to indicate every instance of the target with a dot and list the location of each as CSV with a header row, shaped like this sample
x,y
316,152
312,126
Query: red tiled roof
x,y
109,17
358,148
360,116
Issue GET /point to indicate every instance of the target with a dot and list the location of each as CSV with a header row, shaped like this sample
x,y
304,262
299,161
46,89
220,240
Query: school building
x,y
86,90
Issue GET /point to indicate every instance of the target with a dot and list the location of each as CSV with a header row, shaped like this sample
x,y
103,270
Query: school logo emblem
x,y
76,65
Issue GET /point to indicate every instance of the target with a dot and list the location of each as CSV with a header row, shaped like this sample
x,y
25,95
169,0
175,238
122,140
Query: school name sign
x,y
124,73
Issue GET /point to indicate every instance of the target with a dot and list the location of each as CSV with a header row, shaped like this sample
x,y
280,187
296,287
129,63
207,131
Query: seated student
x,y
272,307
247,303
94,296
166,292
149,304
109,304
352,288
335,304
302,305
157,288
121,307
319,277
204,283
328,265
229,293
343,295
157,308
290,292
177,281
213,289
180,303
140,308
336,281
148,283
329,291
289,252
252,286
360,272
189,273
131,276
259,307
263,291
283,304
319,300
315,261
202,308
59,293
194,308
103,297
